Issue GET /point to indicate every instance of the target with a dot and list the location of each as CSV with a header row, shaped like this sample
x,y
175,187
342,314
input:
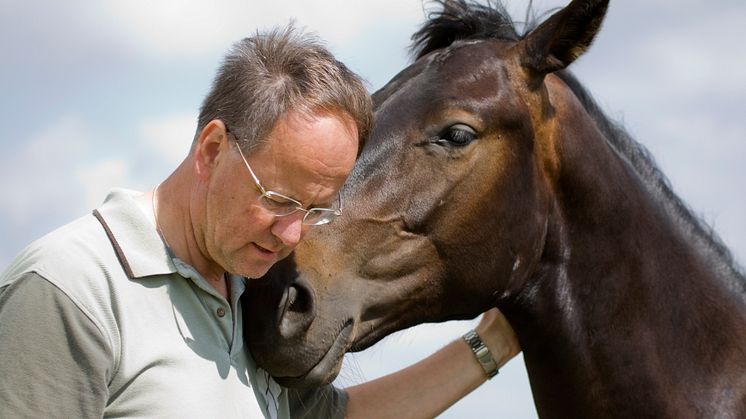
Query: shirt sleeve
x,y
320,402
54,361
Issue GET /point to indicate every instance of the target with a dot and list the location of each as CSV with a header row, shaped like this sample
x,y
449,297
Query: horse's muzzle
x,y
281,331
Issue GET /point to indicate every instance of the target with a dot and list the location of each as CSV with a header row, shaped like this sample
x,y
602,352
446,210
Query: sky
x,y
102,94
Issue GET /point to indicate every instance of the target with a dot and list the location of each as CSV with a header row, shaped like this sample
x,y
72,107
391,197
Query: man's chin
x,y
252,265
250,270
256,271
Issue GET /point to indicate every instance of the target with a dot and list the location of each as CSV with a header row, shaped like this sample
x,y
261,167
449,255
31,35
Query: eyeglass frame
x,y
268,194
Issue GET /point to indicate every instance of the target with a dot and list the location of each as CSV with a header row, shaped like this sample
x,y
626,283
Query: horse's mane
x,y
459,20
466,20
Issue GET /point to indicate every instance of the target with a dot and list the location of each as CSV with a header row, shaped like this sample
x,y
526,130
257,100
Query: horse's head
x,y
446,212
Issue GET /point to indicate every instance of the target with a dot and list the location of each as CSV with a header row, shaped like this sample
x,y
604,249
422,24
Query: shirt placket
x,y
216,305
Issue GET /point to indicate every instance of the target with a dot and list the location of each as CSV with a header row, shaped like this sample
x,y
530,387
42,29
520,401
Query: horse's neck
x,y
625,315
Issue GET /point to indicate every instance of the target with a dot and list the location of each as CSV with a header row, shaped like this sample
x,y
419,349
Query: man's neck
x,y
170,202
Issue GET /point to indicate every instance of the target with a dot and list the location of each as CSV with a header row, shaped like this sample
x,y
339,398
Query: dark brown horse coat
x,y
492,179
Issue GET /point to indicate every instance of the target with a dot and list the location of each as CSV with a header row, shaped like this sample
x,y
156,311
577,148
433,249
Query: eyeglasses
x,y
281,205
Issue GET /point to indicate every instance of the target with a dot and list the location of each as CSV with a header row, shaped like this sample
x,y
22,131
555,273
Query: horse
x,y
492,179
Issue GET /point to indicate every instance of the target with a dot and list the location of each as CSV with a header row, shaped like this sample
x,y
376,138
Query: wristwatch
x,y
483,354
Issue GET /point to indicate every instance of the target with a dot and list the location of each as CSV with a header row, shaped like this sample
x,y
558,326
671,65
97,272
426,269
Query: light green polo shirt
x,y
97,319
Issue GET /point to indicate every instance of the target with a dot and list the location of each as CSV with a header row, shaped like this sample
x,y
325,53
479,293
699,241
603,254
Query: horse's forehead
x,y
472,62
474,52
466,78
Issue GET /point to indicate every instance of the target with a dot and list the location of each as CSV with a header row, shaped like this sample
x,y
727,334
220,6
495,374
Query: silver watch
x,y
483,354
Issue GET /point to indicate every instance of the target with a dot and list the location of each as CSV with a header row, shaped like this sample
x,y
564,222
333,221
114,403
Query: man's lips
x,y
266,251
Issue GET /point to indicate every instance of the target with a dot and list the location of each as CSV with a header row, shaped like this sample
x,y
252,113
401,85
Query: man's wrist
x,y
481,353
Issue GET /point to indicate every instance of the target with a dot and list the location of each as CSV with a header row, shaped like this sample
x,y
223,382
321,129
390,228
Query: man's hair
x,y
265,76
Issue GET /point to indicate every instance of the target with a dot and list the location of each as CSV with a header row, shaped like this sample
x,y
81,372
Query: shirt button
x,y
221,312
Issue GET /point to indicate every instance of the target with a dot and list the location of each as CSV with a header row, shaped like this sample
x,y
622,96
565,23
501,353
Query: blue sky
x,y
97,94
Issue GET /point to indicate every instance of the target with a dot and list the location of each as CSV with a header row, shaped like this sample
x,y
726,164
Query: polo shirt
x,y
99,319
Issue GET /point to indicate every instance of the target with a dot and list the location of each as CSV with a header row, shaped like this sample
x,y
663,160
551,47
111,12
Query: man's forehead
x,y
322,135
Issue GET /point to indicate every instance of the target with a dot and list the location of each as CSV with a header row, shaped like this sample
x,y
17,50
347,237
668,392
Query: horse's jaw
x,y
324,371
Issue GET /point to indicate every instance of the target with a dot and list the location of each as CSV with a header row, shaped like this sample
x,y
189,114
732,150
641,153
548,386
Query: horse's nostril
x,y
297,311
299,300
291,297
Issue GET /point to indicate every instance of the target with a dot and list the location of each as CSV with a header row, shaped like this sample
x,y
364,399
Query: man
x,y
134,310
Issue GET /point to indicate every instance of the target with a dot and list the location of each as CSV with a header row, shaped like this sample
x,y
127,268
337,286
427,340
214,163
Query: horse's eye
x,y
458,135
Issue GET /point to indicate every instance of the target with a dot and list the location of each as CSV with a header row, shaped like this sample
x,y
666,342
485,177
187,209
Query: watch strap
x,y
482,353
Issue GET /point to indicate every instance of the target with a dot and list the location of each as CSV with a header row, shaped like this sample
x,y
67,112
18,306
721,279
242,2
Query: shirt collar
x,y
139,247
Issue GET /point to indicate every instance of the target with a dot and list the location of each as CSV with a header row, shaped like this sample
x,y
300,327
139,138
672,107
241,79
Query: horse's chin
x,y
364,342
328,367
373,331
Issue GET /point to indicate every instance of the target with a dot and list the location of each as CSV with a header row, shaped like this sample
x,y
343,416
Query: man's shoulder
x,y
76,265
78,259
76,252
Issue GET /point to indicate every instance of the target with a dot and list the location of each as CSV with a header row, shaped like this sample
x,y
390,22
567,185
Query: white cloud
x,y
193,27
341,21
697,65
38,175
173,27
99,178
63,169
169,137
686,50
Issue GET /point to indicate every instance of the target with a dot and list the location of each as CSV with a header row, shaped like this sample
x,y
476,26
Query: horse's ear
x,y
563,37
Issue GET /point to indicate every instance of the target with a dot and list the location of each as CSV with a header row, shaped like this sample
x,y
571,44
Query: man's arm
x,y
54,362
430,386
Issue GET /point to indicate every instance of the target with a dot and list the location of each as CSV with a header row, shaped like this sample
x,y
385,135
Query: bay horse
x,y
491,178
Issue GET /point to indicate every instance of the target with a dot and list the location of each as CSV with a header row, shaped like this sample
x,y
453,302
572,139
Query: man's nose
x,y
289,229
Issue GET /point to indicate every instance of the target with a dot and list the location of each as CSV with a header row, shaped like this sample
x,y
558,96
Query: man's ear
x,y
212,145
